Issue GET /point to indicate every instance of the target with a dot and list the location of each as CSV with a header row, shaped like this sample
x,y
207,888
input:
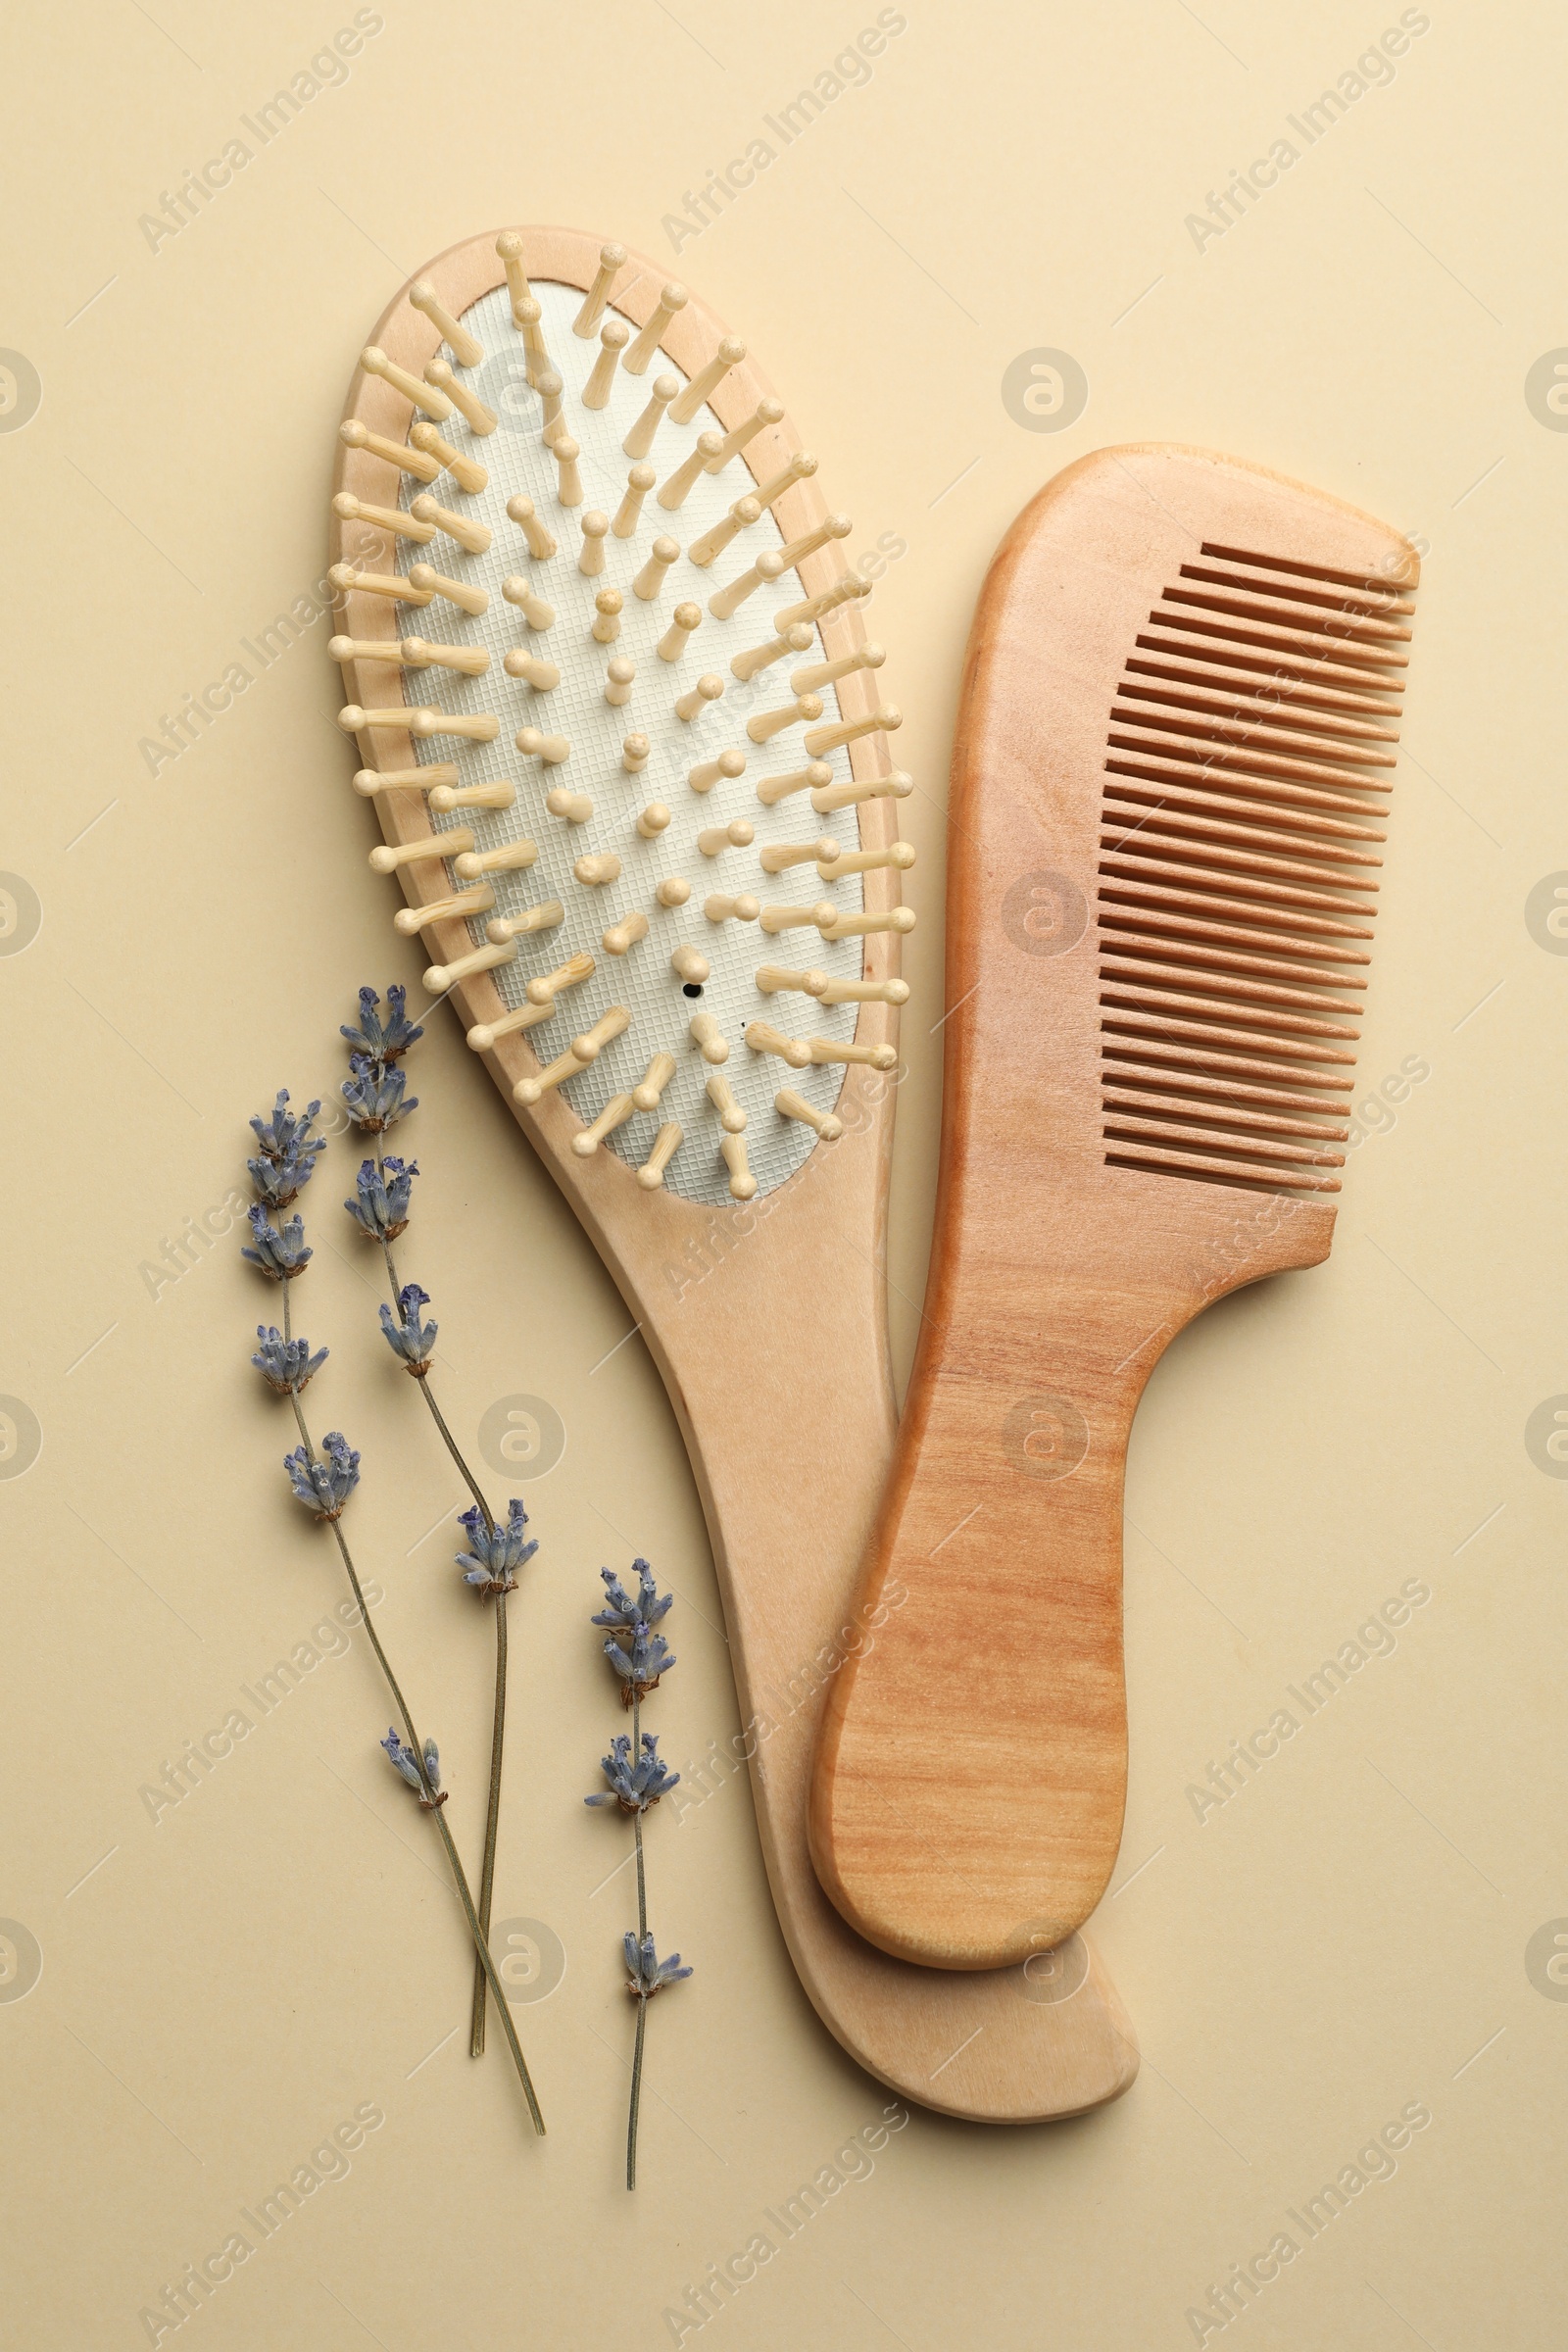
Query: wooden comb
x,y
1181,703
591,765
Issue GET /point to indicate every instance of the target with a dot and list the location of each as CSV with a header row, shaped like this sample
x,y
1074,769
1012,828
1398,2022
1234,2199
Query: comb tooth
x,y
1240,1016
667,1143
442,976
823,1123
706,774
1309,601
725,602
742,1183
368,649
683,620
798,469
765,413
1350,628
569,483
673,891
1271,791
707,380
1309,710
720,906
1265,685
1201,1066
672,298
542,542
796,550
714,541
828,797
547,986
1191,830
598,868
652,820
674,492
619,680
1308,951
1142,1067
708,689
1254,760
657,1075
814,776
552,426
617,1111
454,592
721,1094
467,472
390,584
466,352
543,676
1202,728
1209,955
477,901
1188,895
604,626
1139,1021
509,245
472,661
482,728
1228,633
759,657
1355,690
595,531
609,1026
827,673
1190,1111
417,462
842,592
621,938
479,418
706,1037
529,1091
402,525
1242,883
613,337
1395,584
512,858
1290,1160
764,725
434,402
763,1038
650,580
640,440
639,481
690,967
611,262
1200,979
389,861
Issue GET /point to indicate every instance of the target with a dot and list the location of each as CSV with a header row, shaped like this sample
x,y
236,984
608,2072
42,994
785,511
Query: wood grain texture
x,y
970,1785
781,1303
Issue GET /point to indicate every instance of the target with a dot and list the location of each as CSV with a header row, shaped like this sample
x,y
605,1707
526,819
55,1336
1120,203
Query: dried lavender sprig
x,y
636,1778
374,1097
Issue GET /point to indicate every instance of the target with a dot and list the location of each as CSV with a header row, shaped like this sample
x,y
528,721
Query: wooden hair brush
x,y
633,759
1181,701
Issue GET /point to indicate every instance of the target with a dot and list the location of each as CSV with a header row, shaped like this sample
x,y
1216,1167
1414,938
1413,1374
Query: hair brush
x,y
1181,701
635,780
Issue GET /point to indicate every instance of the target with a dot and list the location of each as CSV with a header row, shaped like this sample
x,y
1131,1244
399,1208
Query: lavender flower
x,y
374,1093
640,1667
283,1136
634,1787
388,1039
277,1182
286,1365
494,1555
625,1614
407,1763
410,1340
279,1250
649,1974
324,1487
382,1205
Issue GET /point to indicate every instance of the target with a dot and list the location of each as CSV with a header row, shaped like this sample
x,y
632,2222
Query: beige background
x,y
220,1988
